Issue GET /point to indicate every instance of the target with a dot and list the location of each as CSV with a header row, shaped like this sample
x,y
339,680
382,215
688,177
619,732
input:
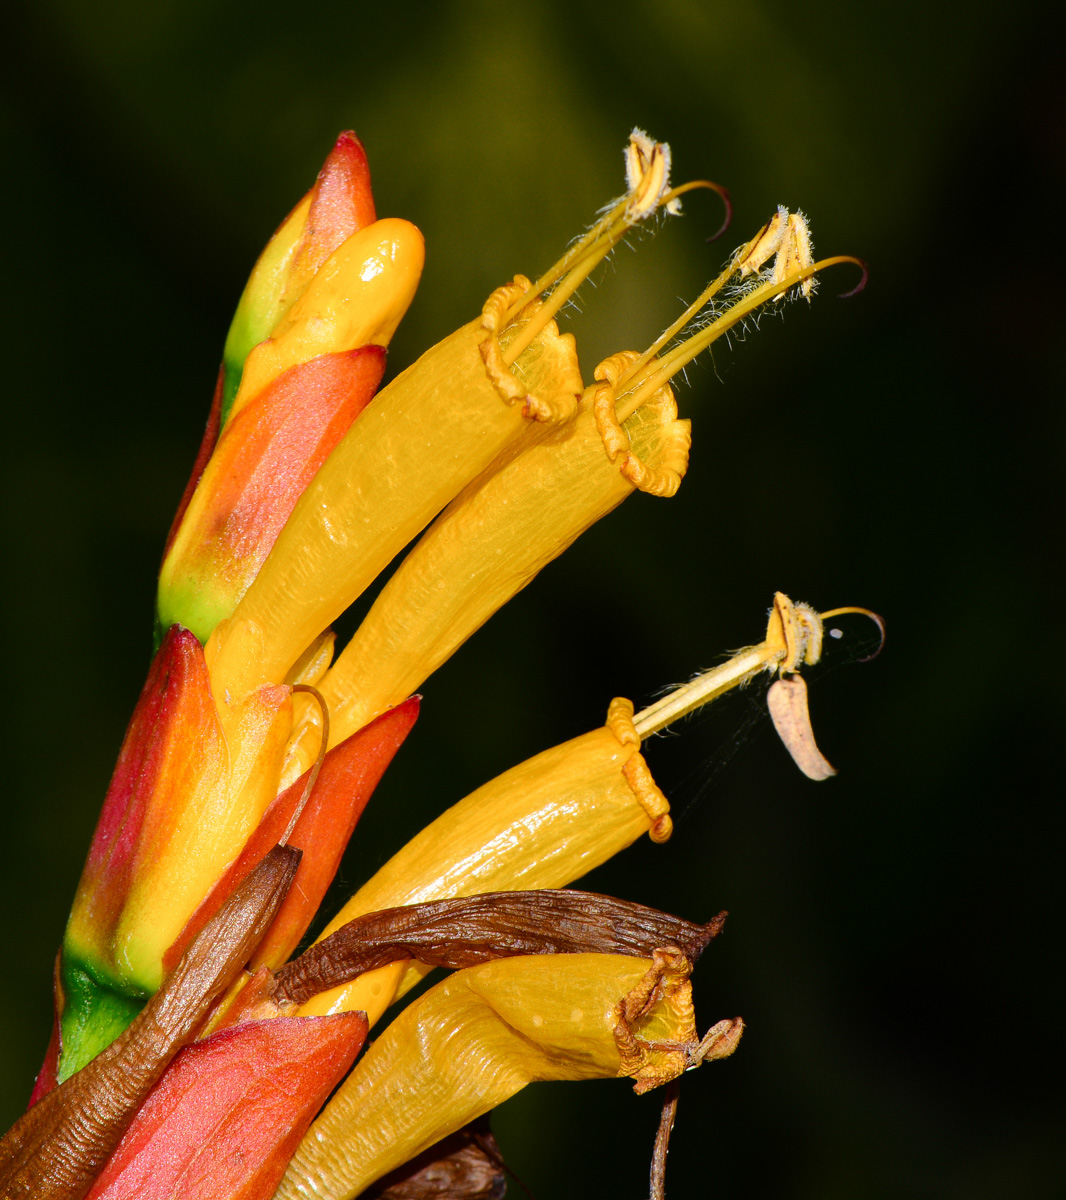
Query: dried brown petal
x,y
57,1148
653,1060
469,930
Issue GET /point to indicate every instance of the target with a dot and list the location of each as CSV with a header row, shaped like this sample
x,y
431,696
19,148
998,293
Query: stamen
x,y
647,179
796,253
584,245
561,295
675,328
793,637
592,251
706,687
682,355
788,637
765,244
647,175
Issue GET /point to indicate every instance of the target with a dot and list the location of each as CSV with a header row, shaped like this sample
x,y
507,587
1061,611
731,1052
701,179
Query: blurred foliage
x,y
893,931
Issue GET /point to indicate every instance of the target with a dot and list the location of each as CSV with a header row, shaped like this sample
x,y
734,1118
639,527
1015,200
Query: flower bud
x,y
340,204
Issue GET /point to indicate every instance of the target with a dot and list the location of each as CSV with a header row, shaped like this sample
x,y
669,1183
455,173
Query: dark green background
x,y
895,933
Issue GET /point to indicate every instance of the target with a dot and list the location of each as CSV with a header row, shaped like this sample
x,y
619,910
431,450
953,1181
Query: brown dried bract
x,y
469,930
57,1148
465,1166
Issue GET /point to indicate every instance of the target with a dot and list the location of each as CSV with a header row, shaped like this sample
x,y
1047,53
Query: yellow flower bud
x,y
356,299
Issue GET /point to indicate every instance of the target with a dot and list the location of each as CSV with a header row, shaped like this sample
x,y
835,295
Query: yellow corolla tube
x,y
542,824
423,439
554,817
488,544
483,1034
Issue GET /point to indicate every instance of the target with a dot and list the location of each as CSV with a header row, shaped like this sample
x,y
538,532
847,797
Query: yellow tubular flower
x,y
556,816
542,824
464,404
426,435
483,1034
488,544
436,428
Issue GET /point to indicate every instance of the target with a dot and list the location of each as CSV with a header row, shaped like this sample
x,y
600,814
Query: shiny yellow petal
x,y
422,440
542,824
487,545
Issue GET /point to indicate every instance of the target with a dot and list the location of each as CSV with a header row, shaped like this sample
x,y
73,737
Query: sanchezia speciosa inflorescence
x,y
250,742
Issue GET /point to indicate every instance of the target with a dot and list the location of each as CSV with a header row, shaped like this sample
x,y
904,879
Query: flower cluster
x,y
192,1055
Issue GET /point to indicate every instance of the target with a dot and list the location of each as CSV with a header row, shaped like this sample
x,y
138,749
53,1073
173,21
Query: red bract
x,y
341,204
267,454
349,774
227,1116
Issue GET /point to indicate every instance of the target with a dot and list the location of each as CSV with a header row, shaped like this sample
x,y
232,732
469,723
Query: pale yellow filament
x,y
669,365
